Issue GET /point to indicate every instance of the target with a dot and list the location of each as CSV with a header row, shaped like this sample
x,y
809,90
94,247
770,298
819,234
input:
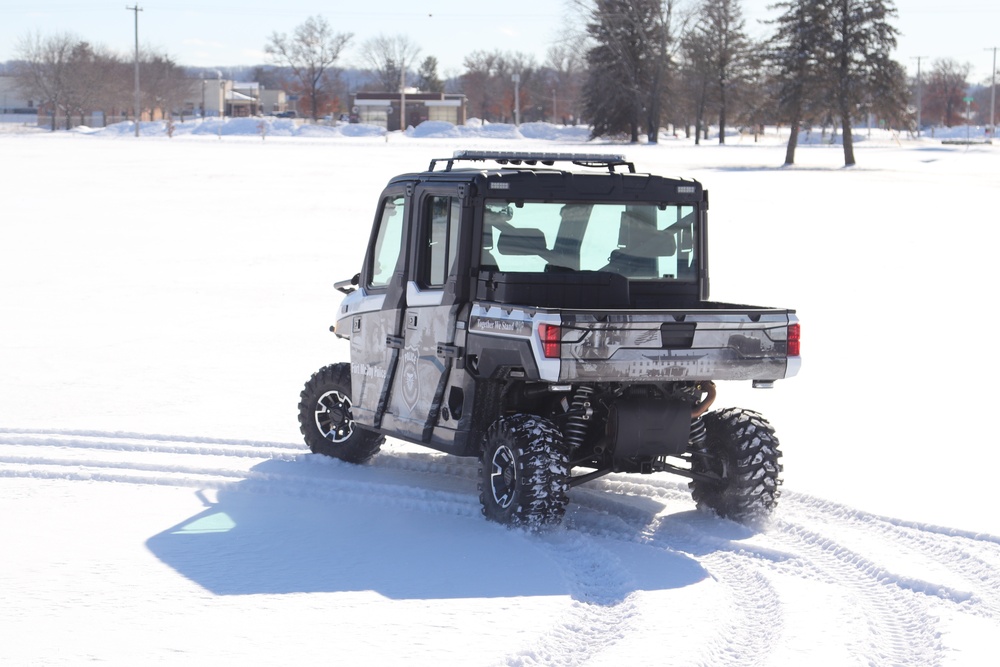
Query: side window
x,y
388,242
443,215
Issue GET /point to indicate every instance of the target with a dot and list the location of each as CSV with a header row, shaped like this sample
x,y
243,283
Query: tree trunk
x,y
845,124
722,113
653,114
793,142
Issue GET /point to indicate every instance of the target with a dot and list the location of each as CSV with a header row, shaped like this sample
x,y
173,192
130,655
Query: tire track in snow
x,y
747,626
897,623
894,624
808,539
215,464
976,556
602,610
972,557
598,614
132,442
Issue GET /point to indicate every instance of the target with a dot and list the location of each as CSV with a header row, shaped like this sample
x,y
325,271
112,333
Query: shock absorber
x,y
698,434
580,412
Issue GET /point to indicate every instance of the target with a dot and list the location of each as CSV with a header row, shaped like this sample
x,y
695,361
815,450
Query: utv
x,y
554,323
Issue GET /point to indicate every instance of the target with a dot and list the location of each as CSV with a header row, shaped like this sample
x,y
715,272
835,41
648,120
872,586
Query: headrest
x,y
644,242
526,241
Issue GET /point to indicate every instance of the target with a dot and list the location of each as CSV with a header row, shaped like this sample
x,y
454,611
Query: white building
x,y
12,100
221,97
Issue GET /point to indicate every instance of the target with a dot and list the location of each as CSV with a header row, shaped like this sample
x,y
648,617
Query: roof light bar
x,y
599,160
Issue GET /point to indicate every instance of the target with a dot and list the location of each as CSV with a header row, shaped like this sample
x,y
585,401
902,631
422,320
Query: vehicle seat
x,y
526,241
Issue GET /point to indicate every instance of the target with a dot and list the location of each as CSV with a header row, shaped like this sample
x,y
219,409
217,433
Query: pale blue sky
x,y
233,32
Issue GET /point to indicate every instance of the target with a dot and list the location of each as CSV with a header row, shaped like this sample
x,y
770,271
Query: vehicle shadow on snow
x,y
343,528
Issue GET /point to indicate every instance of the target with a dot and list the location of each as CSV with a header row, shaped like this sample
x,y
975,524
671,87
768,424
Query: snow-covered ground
x,y
162,300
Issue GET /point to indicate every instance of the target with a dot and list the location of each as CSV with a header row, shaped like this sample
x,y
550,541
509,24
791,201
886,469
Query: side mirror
x,y
348,286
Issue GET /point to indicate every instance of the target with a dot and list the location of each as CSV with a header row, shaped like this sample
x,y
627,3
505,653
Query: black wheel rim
x,y
503,476
333,416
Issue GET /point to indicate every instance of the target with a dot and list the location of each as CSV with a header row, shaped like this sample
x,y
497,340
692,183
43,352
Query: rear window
x,y
638,241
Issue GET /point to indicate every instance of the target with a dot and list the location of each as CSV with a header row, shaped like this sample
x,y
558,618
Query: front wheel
x,y
326,421
741,455
524,474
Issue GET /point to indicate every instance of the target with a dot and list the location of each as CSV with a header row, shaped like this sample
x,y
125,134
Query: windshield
x,y
638,241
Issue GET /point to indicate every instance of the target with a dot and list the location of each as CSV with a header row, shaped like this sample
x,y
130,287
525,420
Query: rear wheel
x,y
326,421
741,451
524,474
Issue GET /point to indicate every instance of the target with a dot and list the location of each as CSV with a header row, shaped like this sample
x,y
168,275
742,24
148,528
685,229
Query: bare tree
x,y
309,53
91,77
566,62
164,84
944,91
984,105
758,95
528,103
482,84
43,69
389,58
696,80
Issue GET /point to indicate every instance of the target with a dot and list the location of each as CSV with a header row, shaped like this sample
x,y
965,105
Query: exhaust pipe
x,y
701,408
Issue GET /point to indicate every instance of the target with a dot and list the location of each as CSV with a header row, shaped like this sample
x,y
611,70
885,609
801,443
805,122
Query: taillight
x,y
793,340
551,335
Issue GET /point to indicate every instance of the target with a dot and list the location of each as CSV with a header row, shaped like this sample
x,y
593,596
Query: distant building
x,y
221,97
12,100
383,108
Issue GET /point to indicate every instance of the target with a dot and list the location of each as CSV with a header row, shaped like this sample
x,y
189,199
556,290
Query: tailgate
x,y
738,344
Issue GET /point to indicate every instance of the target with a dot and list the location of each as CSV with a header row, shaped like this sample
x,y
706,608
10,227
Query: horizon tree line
x,y
630,68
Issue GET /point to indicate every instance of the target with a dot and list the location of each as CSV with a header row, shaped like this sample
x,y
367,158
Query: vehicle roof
x,y
531,174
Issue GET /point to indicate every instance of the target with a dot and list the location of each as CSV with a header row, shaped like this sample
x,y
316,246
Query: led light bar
x,y
602,160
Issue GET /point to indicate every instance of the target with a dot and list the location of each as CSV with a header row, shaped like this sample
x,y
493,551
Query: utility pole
x,y
136,10
517,99
993,96
919,85
402,92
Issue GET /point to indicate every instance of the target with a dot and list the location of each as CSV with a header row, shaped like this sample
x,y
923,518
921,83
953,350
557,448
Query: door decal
x,y
411,384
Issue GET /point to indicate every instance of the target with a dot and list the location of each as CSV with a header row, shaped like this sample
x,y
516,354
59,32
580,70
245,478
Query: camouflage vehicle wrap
x,y
547,320
730,344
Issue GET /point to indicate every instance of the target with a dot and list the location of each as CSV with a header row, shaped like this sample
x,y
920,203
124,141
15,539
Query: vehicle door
x,y
432,301
376,322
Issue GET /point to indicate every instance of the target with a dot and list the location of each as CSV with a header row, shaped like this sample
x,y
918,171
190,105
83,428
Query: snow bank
x,y
286,127
476,128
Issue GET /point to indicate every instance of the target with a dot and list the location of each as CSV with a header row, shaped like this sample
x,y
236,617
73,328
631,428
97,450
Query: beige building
x,y
383,108
221,97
